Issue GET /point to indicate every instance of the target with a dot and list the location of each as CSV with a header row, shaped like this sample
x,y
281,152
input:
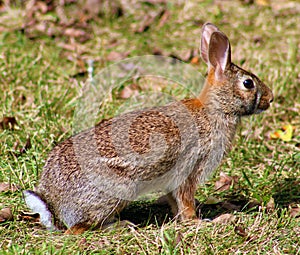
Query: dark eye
x,y
248,84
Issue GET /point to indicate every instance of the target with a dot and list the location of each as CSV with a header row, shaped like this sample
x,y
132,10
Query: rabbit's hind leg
x,y
184,196
77,229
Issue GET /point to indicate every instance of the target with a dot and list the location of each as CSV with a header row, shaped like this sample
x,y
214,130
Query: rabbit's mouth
x,y
262,102
258,111
261,108
263,105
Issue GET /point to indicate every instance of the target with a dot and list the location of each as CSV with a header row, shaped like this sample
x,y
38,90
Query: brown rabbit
x,y
93,175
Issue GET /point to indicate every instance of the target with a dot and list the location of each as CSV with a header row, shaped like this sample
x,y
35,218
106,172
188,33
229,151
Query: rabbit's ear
x,y
219,53
207,30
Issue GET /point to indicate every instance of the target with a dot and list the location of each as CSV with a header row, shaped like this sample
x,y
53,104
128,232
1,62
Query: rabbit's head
x,y
228,87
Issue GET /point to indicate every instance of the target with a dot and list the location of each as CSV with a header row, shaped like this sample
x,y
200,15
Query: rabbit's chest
x,y
214,150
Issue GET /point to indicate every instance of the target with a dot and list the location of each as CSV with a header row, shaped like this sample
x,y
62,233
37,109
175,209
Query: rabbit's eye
x,y
248,84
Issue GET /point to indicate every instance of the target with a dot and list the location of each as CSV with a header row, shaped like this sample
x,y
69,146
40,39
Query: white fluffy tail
x,y
37,205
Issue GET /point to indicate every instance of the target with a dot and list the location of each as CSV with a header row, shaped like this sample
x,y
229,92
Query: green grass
x,y
38,88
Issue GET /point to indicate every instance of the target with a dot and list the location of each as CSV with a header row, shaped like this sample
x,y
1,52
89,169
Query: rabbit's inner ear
x,y
207,30
219,53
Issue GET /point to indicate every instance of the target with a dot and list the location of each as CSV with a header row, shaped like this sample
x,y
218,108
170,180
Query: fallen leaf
x,y
42,6
225,182
190,55
240,231
270,207
73,32
154,83
116,56
129,91
3,6
149,21
82,242
224,218
230,206
27,146
145,25
29,216
258,39
164,17
247,1
294,211
185,55
263,2
178,238
157,52
154,2
6,214
211,200
195,60
285,133
8,123
16,145
4,187
253,204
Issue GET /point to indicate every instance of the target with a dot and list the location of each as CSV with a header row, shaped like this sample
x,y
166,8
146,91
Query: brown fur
x,y
91,176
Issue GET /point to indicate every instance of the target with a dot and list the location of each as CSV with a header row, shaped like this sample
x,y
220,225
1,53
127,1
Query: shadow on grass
x,y
143,213
287,192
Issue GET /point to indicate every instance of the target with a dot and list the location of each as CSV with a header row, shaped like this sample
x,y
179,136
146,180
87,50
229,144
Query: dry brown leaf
x,y
145,25
8,123
149,20
224,219
253,204
116,56
42,6
247,1
240,231
73,32
258,39
270,207
225,182
195,60
154,84
190,55
295,211
70,47
185,55
178,238
156,51
164,17
4,186
29,216
6,214
3,6
230,206
27,146
129,91
16,145
211,200
154,2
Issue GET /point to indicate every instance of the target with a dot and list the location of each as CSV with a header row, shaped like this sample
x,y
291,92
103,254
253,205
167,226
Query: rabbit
x,y
90,177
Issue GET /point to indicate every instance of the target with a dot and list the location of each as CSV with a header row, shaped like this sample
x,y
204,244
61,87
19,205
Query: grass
x,y
40,85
